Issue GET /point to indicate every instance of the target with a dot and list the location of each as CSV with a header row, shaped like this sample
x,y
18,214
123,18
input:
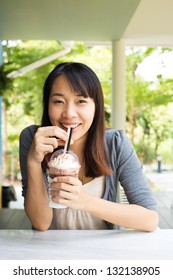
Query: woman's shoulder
x,y
26,138
117,140
29,131
115,135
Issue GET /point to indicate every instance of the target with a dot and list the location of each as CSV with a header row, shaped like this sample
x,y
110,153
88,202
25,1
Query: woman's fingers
x,y
61,193
46,140
65,182
68,191
64,186
52,131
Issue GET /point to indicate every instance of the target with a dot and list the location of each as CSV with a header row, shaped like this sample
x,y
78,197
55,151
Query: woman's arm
x,y
73,195
125,215
36,200
32,152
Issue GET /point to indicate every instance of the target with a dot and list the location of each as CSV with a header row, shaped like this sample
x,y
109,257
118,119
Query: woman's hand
x,y
68,191
45,140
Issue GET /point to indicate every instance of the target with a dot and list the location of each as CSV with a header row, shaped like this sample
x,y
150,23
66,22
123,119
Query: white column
x,y
1,176
118,120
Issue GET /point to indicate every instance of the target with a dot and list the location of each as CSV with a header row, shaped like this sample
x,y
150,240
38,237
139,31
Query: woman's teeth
x,y
67,126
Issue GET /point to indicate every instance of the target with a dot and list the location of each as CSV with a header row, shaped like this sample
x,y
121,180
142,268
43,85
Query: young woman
x,y
72,96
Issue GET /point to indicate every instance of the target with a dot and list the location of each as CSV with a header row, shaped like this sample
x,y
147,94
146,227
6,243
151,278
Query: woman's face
x,y
69,108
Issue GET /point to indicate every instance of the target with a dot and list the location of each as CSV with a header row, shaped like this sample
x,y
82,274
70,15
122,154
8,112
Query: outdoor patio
x,y
144,23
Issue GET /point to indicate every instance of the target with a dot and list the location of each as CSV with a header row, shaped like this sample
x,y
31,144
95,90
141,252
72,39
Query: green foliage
x,y
5,82
145,152
149,118
28,88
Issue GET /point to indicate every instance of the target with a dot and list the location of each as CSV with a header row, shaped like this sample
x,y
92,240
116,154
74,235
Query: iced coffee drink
x,y
62,165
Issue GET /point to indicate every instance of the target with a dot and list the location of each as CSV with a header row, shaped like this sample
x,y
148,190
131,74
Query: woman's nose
x,y
70,111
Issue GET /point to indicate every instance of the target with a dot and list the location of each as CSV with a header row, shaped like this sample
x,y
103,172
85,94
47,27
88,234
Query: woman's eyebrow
x,y
81,95
62,95
57,94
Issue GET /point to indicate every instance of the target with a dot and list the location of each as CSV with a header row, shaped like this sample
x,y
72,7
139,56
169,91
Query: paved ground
x,y
160,181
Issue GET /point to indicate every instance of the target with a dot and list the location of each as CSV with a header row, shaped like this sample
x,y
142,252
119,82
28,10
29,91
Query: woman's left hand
x,y
68,191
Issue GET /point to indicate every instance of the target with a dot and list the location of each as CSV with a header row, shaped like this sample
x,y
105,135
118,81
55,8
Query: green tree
x,y
145,101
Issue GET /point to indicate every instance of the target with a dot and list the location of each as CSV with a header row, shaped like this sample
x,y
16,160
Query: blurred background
x,y
134,34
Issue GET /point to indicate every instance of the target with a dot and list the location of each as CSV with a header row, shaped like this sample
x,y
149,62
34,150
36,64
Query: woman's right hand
x,y
45,140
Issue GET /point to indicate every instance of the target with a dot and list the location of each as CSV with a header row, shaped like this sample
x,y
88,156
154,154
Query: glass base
x,y
56,205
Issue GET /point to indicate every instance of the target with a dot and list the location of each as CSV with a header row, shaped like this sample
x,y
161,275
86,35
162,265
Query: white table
x,y
86,245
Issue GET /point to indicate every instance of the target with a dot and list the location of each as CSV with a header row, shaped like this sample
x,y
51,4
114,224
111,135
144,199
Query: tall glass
x,y
61,164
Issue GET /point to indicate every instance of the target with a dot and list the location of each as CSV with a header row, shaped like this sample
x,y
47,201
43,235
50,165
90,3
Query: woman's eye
x,y
57,101
82,101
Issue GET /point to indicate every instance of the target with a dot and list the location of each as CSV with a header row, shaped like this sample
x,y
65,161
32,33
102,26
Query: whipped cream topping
x,y
66,161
